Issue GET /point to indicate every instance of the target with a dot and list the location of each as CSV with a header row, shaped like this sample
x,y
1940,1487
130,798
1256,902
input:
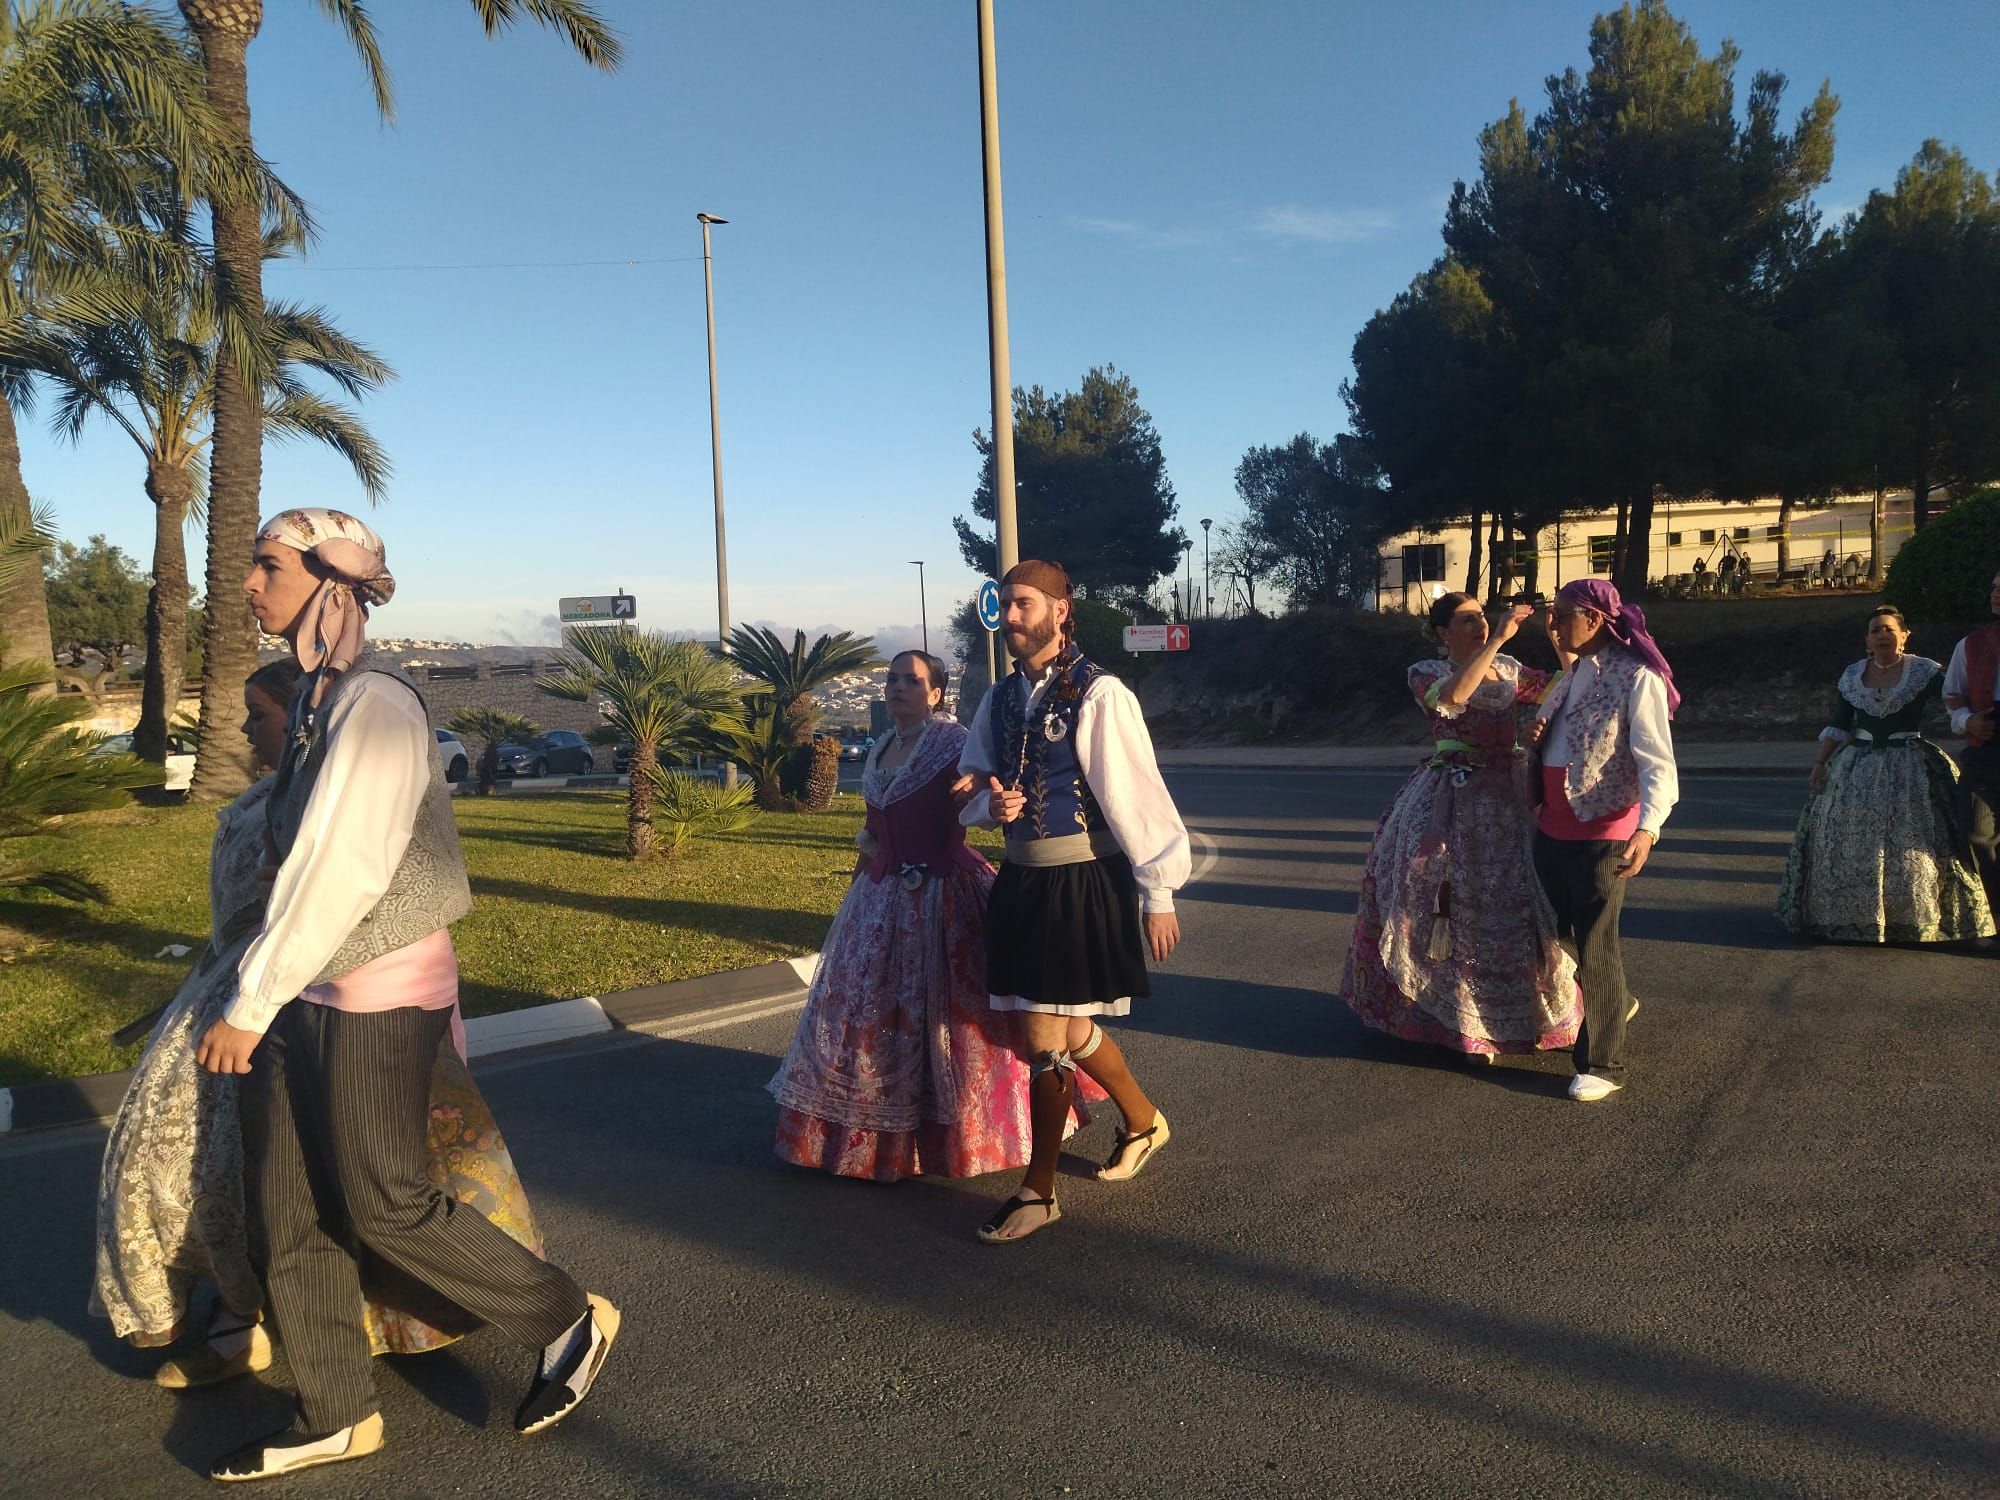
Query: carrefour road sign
x,y
989,604
598,609
1158,638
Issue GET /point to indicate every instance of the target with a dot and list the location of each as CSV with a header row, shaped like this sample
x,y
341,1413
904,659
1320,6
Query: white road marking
x,y
1209,859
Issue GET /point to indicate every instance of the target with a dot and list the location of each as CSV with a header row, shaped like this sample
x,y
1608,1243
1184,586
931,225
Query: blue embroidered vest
x,y
1035,750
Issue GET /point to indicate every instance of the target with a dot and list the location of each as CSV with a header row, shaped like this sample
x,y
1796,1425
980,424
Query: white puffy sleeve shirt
x,y
359,818
1115,751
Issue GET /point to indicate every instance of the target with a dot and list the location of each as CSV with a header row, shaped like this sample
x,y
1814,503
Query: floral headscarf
x,y
357,564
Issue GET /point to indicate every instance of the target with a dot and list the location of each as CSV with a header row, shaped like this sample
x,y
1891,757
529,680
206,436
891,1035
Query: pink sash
x,y
424,974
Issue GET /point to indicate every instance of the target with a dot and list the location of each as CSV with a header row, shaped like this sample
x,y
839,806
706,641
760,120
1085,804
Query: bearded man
x,y
1059,758
343,1000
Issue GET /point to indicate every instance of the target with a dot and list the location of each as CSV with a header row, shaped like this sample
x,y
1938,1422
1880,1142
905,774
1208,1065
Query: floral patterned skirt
x,y
170,1208
1454,942
1879,856
899,1066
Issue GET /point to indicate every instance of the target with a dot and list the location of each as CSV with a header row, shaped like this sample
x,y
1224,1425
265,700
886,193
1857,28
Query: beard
x,y
1025,641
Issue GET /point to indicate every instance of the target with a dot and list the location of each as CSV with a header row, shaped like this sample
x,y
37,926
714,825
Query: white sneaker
x,y
1588,1088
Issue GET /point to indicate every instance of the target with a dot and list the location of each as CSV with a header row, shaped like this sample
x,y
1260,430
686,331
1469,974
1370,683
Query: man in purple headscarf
x,y
1608,783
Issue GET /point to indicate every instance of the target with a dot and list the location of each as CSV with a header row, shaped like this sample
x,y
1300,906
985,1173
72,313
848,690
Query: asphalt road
x,y
1767,1268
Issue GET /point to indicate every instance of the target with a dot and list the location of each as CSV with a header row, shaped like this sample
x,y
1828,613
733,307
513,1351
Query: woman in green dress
x,y
1880,856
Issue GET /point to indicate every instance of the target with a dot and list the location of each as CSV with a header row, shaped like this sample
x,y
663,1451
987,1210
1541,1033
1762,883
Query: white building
x,y
1418,566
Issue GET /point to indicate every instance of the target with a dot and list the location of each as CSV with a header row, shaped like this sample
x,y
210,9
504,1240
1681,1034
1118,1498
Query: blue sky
x,y
1213,197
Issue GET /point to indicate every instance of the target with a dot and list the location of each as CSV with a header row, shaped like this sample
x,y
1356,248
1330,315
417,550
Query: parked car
x,y
854,747
452,752
180,757
560,752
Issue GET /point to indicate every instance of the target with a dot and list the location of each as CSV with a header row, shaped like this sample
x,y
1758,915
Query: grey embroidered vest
x,y
1035,750
429,889
1603,779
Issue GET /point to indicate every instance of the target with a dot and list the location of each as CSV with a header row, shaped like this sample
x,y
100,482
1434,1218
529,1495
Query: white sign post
x,y
598,609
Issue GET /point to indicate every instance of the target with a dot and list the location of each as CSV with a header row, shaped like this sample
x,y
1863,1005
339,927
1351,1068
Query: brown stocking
x,y
1106,1065
1049,1094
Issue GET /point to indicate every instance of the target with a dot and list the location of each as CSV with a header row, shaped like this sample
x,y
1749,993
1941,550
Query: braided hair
x,y
1066,689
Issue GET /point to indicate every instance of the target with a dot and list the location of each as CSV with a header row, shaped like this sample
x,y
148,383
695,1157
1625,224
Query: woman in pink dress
x,y
899,1066
1454,942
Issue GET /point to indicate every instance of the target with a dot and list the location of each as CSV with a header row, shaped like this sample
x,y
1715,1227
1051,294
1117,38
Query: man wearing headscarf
x,y
1608,783
1059,757
343,1000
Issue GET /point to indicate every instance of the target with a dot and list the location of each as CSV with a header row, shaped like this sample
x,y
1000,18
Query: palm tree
x,y
223,30
791,675
490,728
47,769
760,747
687,807
143,353
667,695
97,98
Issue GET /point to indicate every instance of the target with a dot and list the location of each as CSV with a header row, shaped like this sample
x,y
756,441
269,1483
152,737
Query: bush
x,y
1945,570
1100,635
687,807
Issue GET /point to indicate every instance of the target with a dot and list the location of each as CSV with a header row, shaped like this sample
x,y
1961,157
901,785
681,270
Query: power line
x,y
507,265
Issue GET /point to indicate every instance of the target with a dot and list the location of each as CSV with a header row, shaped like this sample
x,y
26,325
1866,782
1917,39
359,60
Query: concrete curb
x,y
679,1008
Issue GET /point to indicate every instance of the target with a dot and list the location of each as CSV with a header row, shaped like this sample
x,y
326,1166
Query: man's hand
x,y
1979,728
1633,860
1163,934
1005,806
227,1049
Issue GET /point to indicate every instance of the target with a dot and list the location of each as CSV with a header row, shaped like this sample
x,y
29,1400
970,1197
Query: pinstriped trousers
x,y
335,1128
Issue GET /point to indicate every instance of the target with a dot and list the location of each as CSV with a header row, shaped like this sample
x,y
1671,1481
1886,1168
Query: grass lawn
x,y
557,912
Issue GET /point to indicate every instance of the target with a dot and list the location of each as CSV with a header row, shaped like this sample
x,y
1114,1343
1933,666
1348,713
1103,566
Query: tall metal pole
x,y
1006,532
1207,578
923,609
715,463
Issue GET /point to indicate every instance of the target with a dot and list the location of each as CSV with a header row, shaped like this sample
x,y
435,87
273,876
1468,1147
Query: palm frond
x,y
360,28
585,30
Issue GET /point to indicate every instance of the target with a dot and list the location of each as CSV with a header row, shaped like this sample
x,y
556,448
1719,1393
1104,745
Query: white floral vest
x,y
1602,778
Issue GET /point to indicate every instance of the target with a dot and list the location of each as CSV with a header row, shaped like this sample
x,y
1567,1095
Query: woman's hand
x,y
1816,777
1513,620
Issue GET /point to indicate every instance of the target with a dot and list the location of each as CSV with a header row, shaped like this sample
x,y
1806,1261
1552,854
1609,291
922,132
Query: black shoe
x,y
290,1450
560,1391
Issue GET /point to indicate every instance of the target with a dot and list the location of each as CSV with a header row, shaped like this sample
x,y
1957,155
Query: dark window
x,y
1674,538
1772,533
1602,552
1423,562
1740,533
1708,536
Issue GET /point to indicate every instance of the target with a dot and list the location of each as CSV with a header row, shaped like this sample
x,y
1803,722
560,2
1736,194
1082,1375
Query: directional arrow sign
x,y
597,609
1179,637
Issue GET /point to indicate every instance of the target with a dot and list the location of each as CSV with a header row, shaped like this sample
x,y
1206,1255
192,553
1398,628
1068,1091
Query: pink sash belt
x,y
424,974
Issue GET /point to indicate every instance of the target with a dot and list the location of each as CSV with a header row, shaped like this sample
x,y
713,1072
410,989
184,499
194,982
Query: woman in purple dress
x,y
1454,942
900,1066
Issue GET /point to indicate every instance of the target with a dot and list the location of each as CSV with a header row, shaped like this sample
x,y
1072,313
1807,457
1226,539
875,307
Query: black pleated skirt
x,y
1066,938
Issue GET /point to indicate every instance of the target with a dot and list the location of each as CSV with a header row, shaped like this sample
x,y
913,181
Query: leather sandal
x,y
1133,1149
989,1232
206,1365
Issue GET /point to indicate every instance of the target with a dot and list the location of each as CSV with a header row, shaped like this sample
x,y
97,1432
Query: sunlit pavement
x,y
1766,1268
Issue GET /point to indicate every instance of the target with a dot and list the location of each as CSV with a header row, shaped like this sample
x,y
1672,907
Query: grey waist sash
x,y
1883,742
1068,849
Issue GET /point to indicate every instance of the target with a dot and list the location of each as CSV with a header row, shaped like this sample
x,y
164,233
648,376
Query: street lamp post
x,y
1187,572
1207,578
1006,534
715,462
923,610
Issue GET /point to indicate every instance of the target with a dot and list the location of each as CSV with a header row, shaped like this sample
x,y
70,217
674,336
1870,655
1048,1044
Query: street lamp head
x,y
1206,522
709,219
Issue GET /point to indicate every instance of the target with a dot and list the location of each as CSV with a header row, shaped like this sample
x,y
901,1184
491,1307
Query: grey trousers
x,y
1581,879
335,1126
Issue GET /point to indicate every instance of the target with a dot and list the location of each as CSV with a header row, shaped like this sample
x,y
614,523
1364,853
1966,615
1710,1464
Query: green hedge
x,y
1945,570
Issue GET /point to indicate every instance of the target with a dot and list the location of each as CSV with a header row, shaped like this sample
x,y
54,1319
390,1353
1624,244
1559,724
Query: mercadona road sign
x,y
989,604
1158,638
597,609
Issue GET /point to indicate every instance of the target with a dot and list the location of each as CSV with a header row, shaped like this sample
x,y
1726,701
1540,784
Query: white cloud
x,y
1145,235
1324,226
